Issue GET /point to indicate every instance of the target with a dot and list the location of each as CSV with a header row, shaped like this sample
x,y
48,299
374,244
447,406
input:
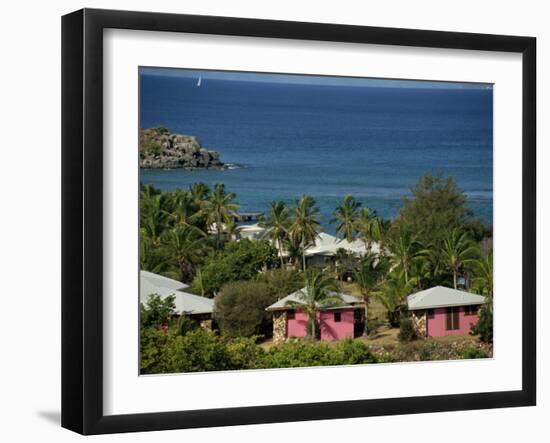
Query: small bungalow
x,y
335,322
441,311
327,246
196,307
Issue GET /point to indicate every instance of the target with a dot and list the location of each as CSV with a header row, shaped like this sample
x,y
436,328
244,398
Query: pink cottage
x,y
441,311
335,323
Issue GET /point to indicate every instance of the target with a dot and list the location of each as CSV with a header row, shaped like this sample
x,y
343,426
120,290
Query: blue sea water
x,y
326,141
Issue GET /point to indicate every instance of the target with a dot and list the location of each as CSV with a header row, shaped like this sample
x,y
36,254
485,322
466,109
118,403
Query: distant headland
x,y
161,149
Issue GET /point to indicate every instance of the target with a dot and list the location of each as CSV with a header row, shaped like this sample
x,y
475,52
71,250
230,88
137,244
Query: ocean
x,y
326,141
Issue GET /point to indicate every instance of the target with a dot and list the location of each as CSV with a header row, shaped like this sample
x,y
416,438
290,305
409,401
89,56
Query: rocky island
x,y
161,149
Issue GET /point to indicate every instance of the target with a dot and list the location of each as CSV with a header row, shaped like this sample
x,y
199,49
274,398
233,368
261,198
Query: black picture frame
x,y
82,216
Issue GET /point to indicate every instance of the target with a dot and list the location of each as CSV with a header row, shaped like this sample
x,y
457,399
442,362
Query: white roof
x,y
161,280
326,244
186,303
251,228
441,297
348,300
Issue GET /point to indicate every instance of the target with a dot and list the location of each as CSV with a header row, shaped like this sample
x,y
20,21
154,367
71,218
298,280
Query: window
x,y
452,319
337,317
470,310
431,313
290,315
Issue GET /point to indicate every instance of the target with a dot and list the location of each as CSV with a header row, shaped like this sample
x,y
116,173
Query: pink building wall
x,y
329,329
296,327
437,326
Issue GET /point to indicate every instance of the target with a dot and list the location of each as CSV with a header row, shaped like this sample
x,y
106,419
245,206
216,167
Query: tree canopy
x,y
240,308
240,260
437,205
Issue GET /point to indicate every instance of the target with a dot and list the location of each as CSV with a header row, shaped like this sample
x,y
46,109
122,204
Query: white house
x,y
195,306
327,245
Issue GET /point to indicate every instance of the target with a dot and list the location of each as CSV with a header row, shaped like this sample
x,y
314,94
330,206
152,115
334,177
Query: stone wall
x,y
419,319
279,327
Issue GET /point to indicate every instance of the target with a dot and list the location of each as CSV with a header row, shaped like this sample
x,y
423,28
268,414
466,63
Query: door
x,y
452,319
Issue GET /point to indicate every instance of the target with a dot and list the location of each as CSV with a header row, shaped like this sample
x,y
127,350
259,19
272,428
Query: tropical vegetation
x,y
191,235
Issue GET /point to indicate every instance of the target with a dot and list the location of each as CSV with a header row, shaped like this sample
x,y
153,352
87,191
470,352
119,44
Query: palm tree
x,y
369,227
368,277
186,248
392,293
199,283
199,192
155,218
457,251
320,291
483,275
293,250
277,223
148,191
346,216
429,270
305,224
219,209
344,262
404,249
230,229
150,256
185,208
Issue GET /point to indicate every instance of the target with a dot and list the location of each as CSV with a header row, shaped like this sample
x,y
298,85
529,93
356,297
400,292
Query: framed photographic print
x,y
269,221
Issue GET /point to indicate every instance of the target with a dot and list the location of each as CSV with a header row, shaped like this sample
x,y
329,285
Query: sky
x,y
307,79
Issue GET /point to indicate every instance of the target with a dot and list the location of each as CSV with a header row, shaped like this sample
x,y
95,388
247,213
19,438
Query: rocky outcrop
x,y
161,149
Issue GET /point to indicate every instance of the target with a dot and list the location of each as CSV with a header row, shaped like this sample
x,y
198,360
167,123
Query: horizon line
x,y
309,79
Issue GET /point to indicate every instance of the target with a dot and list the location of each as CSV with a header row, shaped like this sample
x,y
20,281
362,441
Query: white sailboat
x,y
199,82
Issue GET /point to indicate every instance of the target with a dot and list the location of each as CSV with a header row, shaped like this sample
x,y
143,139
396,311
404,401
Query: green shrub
x,y
153,355
150,147
350,352
202,350
406,330
386,357
244,353
160,130
296,353
197,351
429,351
186,324
473,352
299,353
484,327
157,311
240,308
